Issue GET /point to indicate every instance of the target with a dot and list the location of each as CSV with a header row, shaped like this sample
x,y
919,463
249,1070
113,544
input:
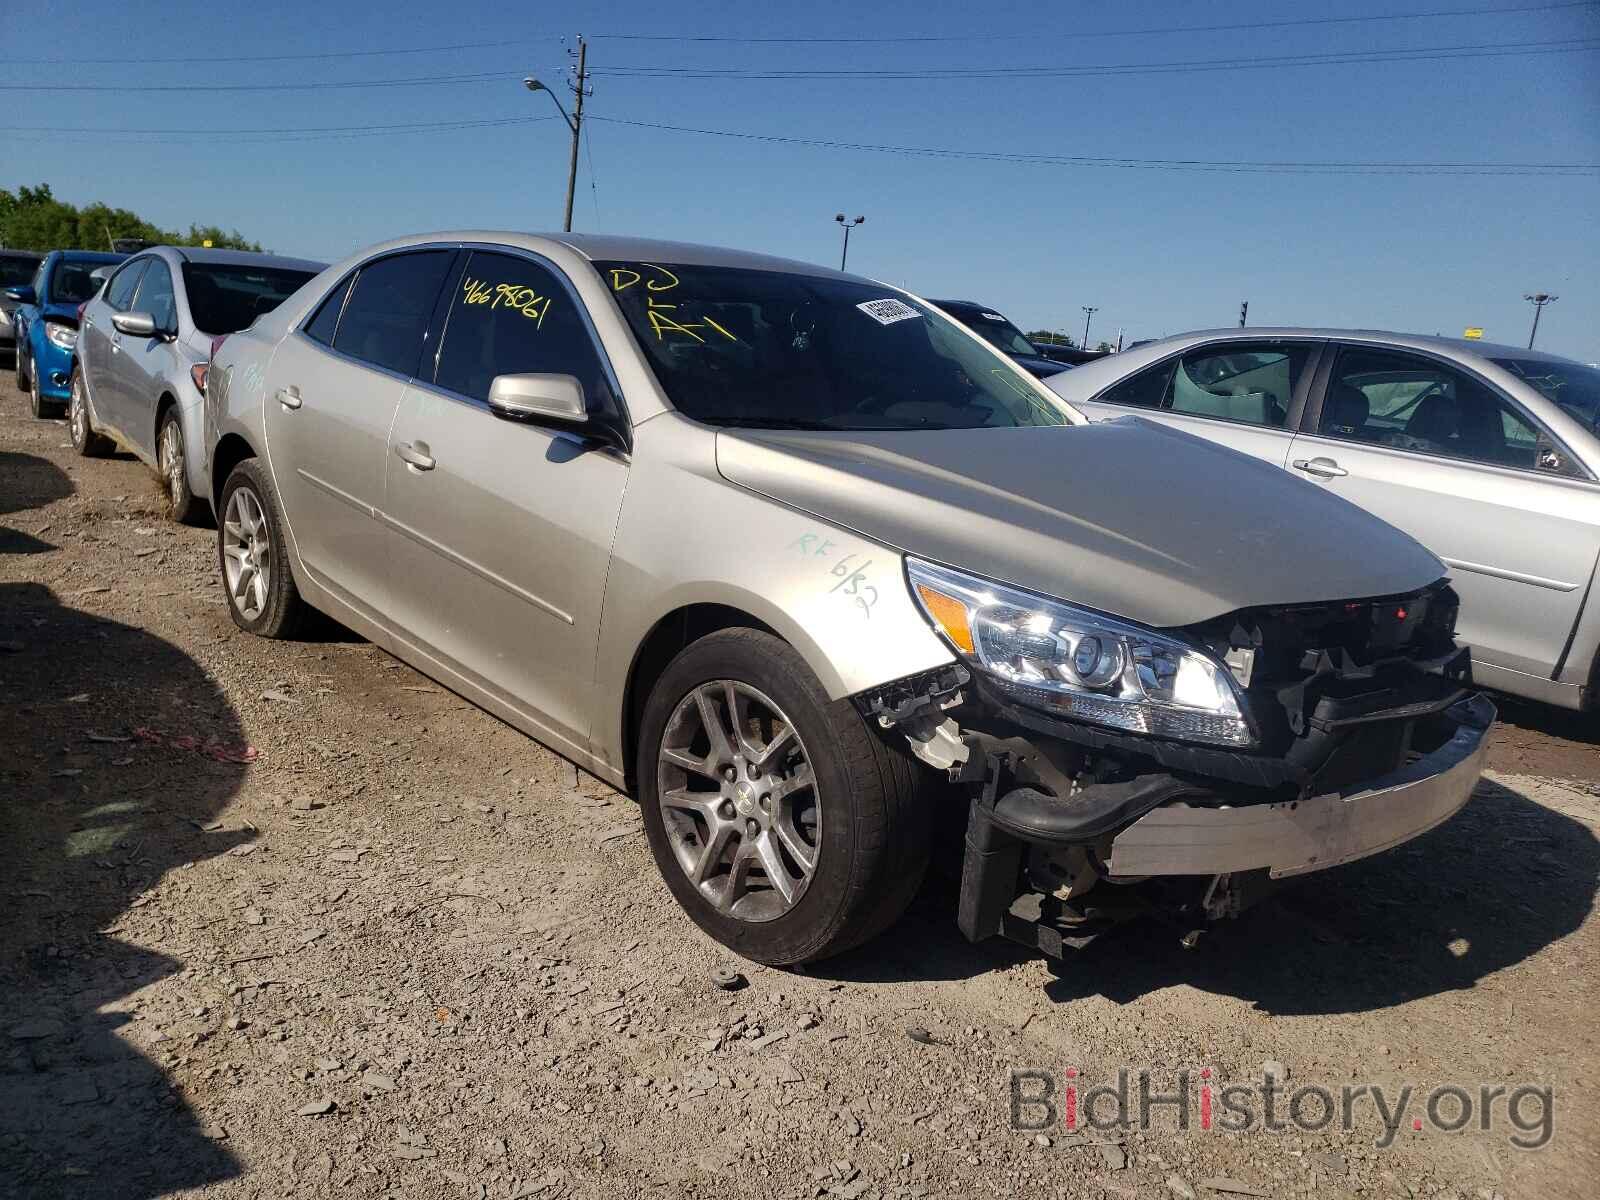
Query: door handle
x,y
415,454
289,396
1323,468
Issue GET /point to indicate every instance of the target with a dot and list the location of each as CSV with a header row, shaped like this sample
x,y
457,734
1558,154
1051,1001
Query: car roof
x,y
33,254
603,247
94,256
1456,347
236,258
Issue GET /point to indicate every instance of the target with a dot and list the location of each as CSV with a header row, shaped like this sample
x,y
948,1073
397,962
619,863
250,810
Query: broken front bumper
x,y
1296,836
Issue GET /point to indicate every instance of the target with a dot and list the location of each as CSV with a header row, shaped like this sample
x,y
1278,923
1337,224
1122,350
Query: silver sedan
x,y
1486,454
145,346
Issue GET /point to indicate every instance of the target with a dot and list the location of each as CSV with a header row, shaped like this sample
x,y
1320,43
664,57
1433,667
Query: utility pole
x,y
848,226
1088,314
1244,309
1538,300
574,122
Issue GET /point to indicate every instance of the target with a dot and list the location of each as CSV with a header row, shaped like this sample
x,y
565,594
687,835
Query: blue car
x,y
46,324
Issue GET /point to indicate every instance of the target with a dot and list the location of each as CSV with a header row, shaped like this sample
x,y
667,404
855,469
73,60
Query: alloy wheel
x,y
77,414
246,553
738,798
171,453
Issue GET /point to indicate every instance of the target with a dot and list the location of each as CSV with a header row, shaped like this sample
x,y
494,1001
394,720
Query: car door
x,y
100,345
1437,451
502,530
332,390
145,363
1244,394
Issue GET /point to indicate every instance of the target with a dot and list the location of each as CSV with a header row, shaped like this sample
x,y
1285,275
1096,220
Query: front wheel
x,y
42,408
781,821
85,440
174,468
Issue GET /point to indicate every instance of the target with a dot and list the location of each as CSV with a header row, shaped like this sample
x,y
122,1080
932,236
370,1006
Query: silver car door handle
x,y
416,454
1324,468
289,396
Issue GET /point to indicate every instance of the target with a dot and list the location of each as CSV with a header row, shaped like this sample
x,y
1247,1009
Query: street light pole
x,y
848,226
1538,300
1088,314
574,122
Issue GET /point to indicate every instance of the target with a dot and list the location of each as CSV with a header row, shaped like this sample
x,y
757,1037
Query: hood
x,y
57,311
1038,366
1127,517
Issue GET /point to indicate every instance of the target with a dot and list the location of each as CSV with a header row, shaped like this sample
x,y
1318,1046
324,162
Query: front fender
x,y
687,536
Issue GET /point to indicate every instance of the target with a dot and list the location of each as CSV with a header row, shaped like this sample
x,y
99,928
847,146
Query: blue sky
x,y
1157,251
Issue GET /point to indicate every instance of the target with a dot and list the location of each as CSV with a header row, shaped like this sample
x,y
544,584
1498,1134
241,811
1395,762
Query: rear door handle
x,y
1324,468
416,454
289,396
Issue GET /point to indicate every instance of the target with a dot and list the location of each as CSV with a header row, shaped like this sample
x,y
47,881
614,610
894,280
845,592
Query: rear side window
x,y
322,326
511,316
1251,385
156,298
387,314
119,292
1145,389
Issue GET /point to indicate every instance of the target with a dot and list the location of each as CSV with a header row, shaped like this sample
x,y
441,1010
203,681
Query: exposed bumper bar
x,y
1294,837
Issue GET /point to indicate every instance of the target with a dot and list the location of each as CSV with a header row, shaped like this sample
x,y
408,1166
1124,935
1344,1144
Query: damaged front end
x,y
1115,770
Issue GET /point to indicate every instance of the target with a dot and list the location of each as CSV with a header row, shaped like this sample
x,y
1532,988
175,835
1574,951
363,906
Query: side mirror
x,y
134,324
23,294
537,398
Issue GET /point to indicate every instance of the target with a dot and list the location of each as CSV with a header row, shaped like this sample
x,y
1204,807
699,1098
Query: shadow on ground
x,y
92,818
27,481
1499,882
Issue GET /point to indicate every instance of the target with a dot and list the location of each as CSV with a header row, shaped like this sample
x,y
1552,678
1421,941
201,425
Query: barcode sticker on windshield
x,y
887,312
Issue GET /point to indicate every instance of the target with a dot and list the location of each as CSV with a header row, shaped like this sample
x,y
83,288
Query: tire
x,y
181,504
273,609
871,825
43,409
80,423
17,360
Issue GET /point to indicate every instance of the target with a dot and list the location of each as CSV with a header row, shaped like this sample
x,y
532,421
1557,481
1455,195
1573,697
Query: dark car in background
x,y
17,268
1002,335
45,323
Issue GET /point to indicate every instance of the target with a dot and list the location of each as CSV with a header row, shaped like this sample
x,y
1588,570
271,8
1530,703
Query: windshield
x,y
995,329
70,282
771,349
227,297
16,272
1574,387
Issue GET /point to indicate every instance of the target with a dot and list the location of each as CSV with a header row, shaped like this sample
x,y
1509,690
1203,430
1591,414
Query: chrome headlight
x,y
1082,664
61,335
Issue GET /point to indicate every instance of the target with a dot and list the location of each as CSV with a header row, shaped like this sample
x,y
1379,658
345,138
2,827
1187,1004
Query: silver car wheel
x,y
77,415
246,553
171,454
739,800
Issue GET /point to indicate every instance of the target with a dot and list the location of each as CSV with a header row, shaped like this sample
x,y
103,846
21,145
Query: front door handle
x,y
289,396
1323,468
415,454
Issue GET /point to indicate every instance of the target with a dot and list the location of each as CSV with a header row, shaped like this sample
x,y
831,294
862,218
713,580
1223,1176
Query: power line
x,y
1080,35
1277,61
146,137
1083,160
410,81
189,59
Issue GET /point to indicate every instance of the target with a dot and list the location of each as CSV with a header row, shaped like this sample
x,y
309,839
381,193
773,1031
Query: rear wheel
x,y
782,823
85,440
174,467
262,596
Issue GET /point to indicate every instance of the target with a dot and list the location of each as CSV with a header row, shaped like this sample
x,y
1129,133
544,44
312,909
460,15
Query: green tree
x,y
1052,337
31,218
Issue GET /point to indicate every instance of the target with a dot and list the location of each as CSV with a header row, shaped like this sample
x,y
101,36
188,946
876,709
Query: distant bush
x,y
31,218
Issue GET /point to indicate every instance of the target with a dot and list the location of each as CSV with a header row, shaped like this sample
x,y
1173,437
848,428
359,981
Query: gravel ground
x,y
288,918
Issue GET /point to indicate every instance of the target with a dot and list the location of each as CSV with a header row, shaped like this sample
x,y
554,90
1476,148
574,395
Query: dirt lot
x,y
289,919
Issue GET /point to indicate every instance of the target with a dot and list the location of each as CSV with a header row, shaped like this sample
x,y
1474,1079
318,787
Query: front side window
x,y
119,292
387,313
156,297
72,283
773,349
1408,402
227,297
511,316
